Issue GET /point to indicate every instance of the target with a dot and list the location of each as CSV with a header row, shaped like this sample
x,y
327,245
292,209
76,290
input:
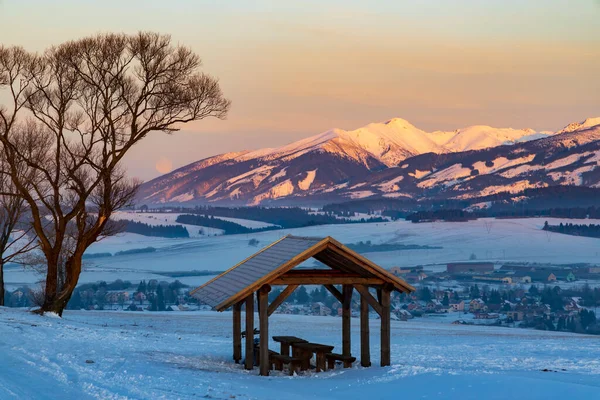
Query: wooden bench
x,y
278,361
333,357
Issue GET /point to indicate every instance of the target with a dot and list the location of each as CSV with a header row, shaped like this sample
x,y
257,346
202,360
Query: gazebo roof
x,y
272,264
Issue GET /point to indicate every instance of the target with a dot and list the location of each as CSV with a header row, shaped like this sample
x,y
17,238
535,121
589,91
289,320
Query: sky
x,y
293,68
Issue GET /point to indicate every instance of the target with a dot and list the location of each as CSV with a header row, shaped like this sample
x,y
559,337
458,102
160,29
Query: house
x,y
398,271
522,279
437,307
466,267
494,278
414,276
404,315
476,305
515,315
542,276
414,306
564,275
520,268
320,309
484,315
460,306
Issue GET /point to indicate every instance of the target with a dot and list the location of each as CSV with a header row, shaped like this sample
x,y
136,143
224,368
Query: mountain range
x,y
393,159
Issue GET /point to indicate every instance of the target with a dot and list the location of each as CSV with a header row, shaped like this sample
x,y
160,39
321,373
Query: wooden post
x,y
249,331
346,316
263,314
365,350
237,332
385,326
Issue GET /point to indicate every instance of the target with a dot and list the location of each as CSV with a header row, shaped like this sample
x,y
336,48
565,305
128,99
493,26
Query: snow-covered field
x,y
520,240
120,355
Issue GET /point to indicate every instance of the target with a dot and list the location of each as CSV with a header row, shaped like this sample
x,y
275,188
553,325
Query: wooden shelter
x,y
274,265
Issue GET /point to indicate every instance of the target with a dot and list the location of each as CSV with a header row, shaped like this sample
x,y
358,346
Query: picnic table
x,y
305,351
286,341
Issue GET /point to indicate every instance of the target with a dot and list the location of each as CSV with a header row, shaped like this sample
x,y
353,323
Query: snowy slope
x,y
328,159
187,356
457,241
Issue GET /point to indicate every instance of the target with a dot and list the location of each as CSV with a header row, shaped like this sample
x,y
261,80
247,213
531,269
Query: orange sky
x,y
297,68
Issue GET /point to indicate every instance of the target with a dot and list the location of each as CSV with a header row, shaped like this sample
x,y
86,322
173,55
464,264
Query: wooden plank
x,y
263,301
269,277
336,293
324,280
364,292
237,265
365,345
346,316
281,298
249,331
385,326
237,332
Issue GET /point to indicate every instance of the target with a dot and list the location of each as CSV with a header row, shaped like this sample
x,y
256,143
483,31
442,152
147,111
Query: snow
x,y
563,162
163,219
183,197
278,175
248,223
305,183
480,137
501,163
418,174
518,240
186,355
577,126
282,189
572,177
451,174
359,194
391,185
515,187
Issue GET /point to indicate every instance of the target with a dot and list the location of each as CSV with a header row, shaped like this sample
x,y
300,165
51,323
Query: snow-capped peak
x,y
577,126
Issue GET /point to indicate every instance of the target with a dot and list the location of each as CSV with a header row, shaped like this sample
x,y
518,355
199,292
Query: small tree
x,y
160,299
302,295
446,300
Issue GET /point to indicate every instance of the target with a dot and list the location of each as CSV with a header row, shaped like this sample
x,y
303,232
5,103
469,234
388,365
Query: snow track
x,y
187,356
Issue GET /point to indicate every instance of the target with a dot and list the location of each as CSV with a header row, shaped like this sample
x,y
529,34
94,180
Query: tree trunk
x,y
59,303
1,283
51,286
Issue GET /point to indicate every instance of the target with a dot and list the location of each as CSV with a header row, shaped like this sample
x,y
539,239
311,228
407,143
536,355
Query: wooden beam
x,y
385,326
263,301
281,298
365,347
364,292
346,319
249,364
368,265
336,293
237,332
324,280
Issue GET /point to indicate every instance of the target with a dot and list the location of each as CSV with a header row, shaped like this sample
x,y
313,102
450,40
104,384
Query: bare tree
x,y
90,101
16,238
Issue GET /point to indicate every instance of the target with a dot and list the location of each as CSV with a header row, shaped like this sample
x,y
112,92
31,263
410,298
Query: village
x,y
478,293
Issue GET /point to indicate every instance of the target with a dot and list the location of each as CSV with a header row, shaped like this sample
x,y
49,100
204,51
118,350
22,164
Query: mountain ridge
x,y
348,164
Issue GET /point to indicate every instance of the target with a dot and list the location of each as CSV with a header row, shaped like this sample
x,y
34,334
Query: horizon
x,y
344,65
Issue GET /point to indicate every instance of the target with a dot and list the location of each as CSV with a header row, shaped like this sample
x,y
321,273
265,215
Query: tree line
x,y
167,231
587,230
283,217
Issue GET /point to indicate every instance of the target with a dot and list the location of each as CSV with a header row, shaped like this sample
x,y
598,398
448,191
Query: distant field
x,y
517,240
